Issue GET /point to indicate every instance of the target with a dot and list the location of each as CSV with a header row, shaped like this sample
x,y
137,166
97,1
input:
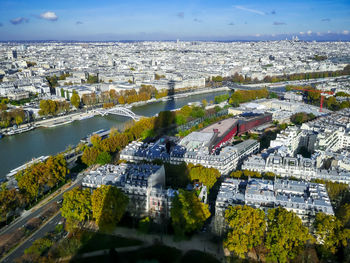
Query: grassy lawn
x,y
99,241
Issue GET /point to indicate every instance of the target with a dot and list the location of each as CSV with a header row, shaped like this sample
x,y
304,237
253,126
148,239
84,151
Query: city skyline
x,y
185,20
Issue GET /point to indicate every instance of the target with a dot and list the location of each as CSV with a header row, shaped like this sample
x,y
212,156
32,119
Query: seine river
x,y
18,149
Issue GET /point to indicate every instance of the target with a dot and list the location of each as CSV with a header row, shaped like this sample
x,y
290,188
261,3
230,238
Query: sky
x,y
223,20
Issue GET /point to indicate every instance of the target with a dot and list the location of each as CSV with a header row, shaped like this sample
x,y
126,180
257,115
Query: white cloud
x,y
346,32
329,31
19,20
49,16
319,34
250,10
309,32
301,33
257,35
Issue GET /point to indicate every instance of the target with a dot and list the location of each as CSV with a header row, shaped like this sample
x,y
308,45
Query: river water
x,y
18,149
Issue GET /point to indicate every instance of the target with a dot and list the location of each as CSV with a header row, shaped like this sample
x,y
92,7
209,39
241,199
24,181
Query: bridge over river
x,y
121,111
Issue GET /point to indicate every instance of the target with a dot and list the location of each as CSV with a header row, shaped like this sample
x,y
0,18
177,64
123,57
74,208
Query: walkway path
x,y
200,241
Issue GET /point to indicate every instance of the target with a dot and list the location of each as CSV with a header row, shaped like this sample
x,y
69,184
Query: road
x,y
19,251
34,212
48,226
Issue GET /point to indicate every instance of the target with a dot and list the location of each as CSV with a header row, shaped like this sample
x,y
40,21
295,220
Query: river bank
x,y
21,148
79,116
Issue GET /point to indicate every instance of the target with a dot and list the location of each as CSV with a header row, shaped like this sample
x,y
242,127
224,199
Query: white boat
x,y
20,130
86,117
16,170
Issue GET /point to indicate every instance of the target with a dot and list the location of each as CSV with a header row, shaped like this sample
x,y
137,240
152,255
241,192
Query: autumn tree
x,y
44,107
76,206
39,247
108,206
56,169
32,180
51,107
286,236
241,96
75,99
343,214
188,213
330,233
246,229
96,141
3,104
90,155
9,201
121,100
35,179
207,176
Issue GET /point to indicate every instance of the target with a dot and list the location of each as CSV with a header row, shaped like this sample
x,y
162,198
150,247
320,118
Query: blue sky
x,y
168,20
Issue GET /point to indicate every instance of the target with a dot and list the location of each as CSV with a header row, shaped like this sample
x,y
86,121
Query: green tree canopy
x,y
343,214
246,229
330,233
188,213
207,176
39,247
108,206
286,235
77,205
56,169
75,99
103,158
90,155
9,201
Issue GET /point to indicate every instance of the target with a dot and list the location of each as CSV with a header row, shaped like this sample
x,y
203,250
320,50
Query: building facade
x,y
303,198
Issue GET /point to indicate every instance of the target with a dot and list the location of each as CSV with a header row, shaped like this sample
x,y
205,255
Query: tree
x,y
3,104
330,233
103,158
75,99
31,180
18,120
247,228
96,141
9,201
62,92
108,206
90,155
44,107
301,117
286,235
76,205
144,225
57,169
188,213
121,100
180,119
39,247
207,176
221,98
204,103
344,214
273,95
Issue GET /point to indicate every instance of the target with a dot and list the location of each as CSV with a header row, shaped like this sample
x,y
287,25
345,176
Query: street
x,y
41,232
47,227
